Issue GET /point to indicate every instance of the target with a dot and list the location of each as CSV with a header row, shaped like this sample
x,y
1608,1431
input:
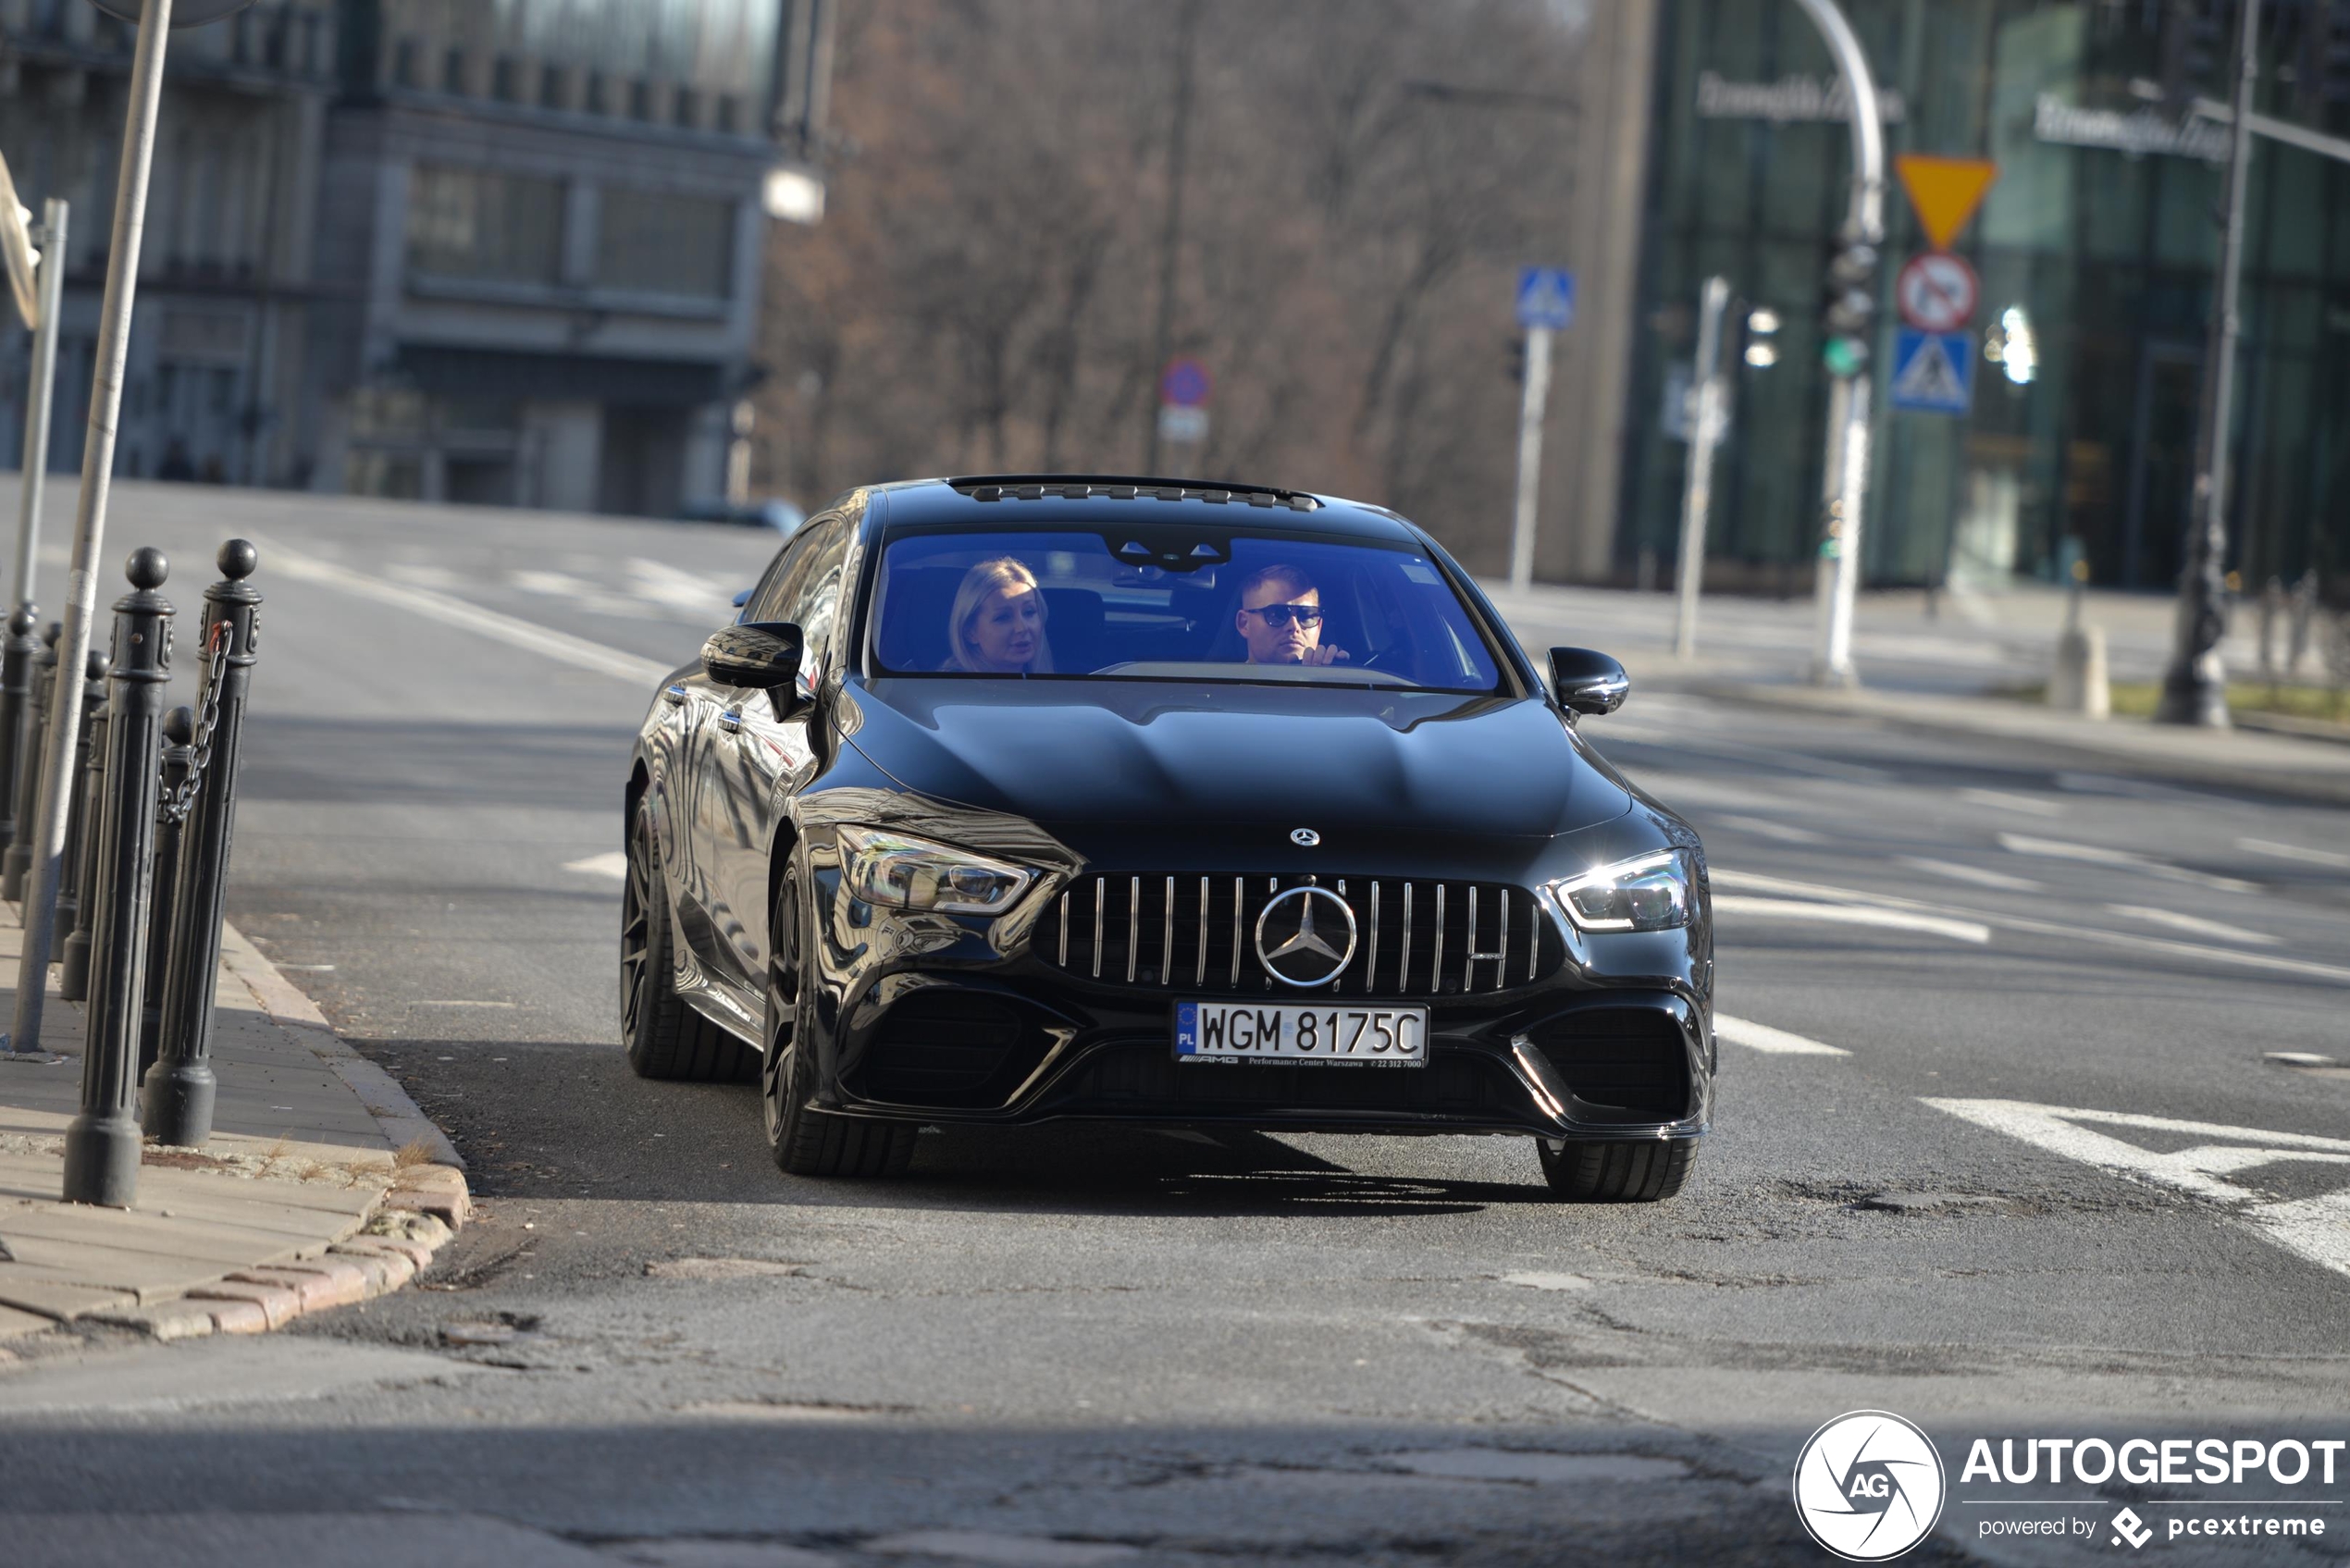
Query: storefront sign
x,y
1789,98
2137,133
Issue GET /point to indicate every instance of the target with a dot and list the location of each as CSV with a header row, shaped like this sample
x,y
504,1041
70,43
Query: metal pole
x,y
102,1143
1170,238
85,848
44,669
94,702
89,521
1529,455
39,393
23,651
1697,488
2195,688
176,1101
1847,436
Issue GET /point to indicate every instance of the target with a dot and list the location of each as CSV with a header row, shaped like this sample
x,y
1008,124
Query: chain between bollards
x,y
175,1100
102,1143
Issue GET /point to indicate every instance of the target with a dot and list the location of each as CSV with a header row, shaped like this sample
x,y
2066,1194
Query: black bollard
x,y
17,663
93,699
18,859
176,1103
179,759
73,953
102,1144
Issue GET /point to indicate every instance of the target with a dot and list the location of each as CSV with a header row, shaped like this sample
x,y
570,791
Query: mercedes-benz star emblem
x,y
1298,936
1304,838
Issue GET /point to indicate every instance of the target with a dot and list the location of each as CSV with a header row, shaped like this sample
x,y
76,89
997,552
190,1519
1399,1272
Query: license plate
x,y
1338,1037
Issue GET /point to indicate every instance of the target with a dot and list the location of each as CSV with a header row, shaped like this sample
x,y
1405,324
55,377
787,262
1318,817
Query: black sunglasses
x,y
1278,615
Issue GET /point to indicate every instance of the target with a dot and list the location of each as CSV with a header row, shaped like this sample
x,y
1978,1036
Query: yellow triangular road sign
x,y
1945,192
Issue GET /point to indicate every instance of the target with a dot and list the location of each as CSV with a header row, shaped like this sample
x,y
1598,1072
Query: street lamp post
x,y
1852,274
2195,688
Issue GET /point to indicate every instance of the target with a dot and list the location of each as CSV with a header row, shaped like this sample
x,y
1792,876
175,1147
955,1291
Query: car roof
x,y
1012,501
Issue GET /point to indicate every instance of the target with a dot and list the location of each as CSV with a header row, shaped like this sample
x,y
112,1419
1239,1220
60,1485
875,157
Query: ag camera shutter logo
x,y
1869,1486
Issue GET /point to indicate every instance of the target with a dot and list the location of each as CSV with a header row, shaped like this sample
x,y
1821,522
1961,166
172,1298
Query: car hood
x,y
1177,755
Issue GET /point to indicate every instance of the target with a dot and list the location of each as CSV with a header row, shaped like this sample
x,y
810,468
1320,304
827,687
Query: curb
x,y
419,1213
2324,787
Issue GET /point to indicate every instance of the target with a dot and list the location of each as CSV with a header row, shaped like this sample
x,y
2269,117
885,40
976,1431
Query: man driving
x,y
1281,617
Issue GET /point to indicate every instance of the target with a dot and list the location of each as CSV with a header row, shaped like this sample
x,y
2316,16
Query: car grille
x,y
1413,938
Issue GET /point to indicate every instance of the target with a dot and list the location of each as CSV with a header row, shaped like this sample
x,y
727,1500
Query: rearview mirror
x,y
761,655
1586,681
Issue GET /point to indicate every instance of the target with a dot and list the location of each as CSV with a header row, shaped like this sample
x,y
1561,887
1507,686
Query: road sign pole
x,y
1529,455
47,843
39,393
1697,490
2195,688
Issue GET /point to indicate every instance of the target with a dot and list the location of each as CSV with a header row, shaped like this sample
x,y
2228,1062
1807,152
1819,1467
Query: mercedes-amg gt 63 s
x,y
1015,799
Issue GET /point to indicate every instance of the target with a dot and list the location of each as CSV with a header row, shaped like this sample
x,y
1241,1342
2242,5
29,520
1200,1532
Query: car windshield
x,y
1173,602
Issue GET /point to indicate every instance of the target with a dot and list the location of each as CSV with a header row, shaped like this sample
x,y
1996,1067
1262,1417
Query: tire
x,y
665,1038
804,1140
1644,1172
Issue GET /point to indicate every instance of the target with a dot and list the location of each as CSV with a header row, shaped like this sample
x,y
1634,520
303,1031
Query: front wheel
x,y
665,1038
804,1140
1644,1172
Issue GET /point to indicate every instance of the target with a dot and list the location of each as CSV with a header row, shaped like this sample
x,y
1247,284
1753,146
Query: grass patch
x,y
2137,699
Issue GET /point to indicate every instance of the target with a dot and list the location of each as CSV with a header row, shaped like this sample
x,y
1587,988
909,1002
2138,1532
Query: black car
x,y
1014,798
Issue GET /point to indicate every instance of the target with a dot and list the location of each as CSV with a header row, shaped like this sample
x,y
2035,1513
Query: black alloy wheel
x,y
665,1038
804,1140
1617,1173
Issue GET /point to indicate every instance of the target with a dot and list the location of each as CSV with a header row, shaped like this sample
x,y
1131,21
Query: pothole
x,y
791,1409
1534,1280
1534,1467
1930,1201
722,1269
1007,1551
2306,1064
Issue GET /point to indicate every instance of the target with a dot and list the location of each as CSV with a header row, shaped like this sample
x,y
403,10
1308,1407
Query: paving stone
x,y
56,1298
239,1317
280,1303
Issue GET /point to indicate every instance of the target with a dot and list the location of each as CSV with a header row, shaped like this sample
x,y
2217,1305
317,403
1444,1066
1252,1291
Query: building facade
x,y
2096,253
503,252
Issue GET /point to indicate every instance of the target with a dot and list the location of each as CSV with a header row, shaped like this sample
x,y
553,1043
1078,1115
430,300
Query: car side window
x,y
779,588
811,591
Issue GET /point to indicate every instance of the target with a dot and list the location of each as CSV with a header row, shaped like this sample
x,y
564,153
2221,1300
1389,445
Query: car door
x,y
761,748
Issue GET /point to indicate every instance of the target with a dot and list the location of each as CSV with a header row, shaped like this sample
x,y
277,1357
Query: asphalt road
x,y
1999,1148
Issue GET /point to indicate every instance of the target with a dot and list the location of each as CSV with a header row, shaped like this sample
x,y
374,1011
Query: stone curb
x,y
415,1218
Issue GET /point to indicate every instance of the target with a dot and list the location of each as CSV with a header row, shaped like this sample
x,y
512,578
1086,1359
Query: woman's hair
x,y
1004,574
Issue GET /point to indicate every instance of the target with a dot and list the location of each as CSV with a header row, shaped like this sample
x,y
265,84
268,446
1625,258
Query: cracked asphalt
x,y
1076,1345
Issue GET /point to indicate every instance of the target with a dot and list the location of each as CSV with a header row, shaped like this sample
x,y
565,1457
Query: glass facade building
x,y
2097,249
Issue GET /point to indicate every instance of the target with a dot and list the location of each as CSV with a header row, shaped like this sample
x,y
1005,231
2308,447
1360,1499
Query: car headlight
x,y
902,872
1649,892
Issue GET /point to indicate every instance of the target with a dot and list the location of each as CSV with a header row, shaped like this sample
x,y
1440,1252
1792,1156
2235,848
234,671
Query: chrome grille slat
x,y
1403,960
1370,971
1098,898
1236,933
1166,939
1064,929
1201,978
1133,924
1436,969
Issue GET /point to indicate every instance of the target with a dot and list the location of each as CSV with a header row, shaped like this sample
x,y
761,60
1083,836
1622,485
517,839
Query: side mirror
x,y
1586,681
761,655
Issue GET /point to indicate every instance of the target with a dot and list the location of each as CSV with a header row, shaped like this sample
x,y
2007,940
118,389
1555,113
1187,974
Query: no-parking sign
x,y
1936,292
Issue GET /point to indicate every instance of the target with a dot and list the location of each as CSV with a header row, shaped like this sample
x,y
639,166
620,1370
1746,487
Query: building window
x,y
656,241
481,223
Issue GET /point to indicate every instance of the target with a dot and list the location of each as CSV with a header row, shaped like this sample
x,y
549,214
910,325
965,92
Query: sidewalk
x,y
1933,673
323,1184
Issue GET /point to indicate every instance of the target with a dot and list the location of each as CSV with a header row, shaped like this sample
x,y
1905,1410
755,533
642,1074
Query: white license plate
x,y
1338,1037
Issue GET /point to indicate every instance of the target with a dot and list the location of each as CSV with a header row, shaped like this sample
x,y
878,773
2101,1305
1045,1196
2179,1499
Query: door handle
x,y
674,695
731,721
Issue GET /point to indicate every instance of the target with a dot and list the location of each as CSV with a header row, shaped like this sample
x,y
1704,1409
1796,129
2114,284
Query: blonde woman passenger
x,y
997,627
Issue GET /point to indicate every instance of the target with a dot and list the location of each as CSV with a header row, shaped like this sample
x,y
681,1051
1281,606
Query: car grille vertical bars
x,y
1432,942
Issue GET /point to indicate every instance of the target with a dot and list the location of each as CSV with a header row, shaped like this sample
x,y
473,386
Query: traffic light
x,y
1762,338
1847,308
2194,45
1518,358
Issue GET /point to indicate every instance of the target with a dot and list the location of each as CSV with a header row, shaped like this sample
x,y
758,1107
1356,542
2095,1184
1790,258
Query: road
x,y
1999,1148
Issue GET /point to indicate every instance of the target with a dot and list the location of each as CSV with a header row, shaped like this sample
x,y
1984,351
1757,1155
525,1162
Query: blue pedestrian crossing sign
x,y
1932,372
1545,297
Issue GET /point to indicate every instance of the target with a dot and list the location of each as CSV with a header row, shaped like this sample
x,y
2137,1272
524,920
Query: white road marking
x,y
613,864
1773,756
2128,859
679,589
2005,801
2294,853
2137,789
560,647
1975,874
1774,1042
1850,915
1762,828
2316,1229
463,1002
2218,931
1702,791
1755,882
